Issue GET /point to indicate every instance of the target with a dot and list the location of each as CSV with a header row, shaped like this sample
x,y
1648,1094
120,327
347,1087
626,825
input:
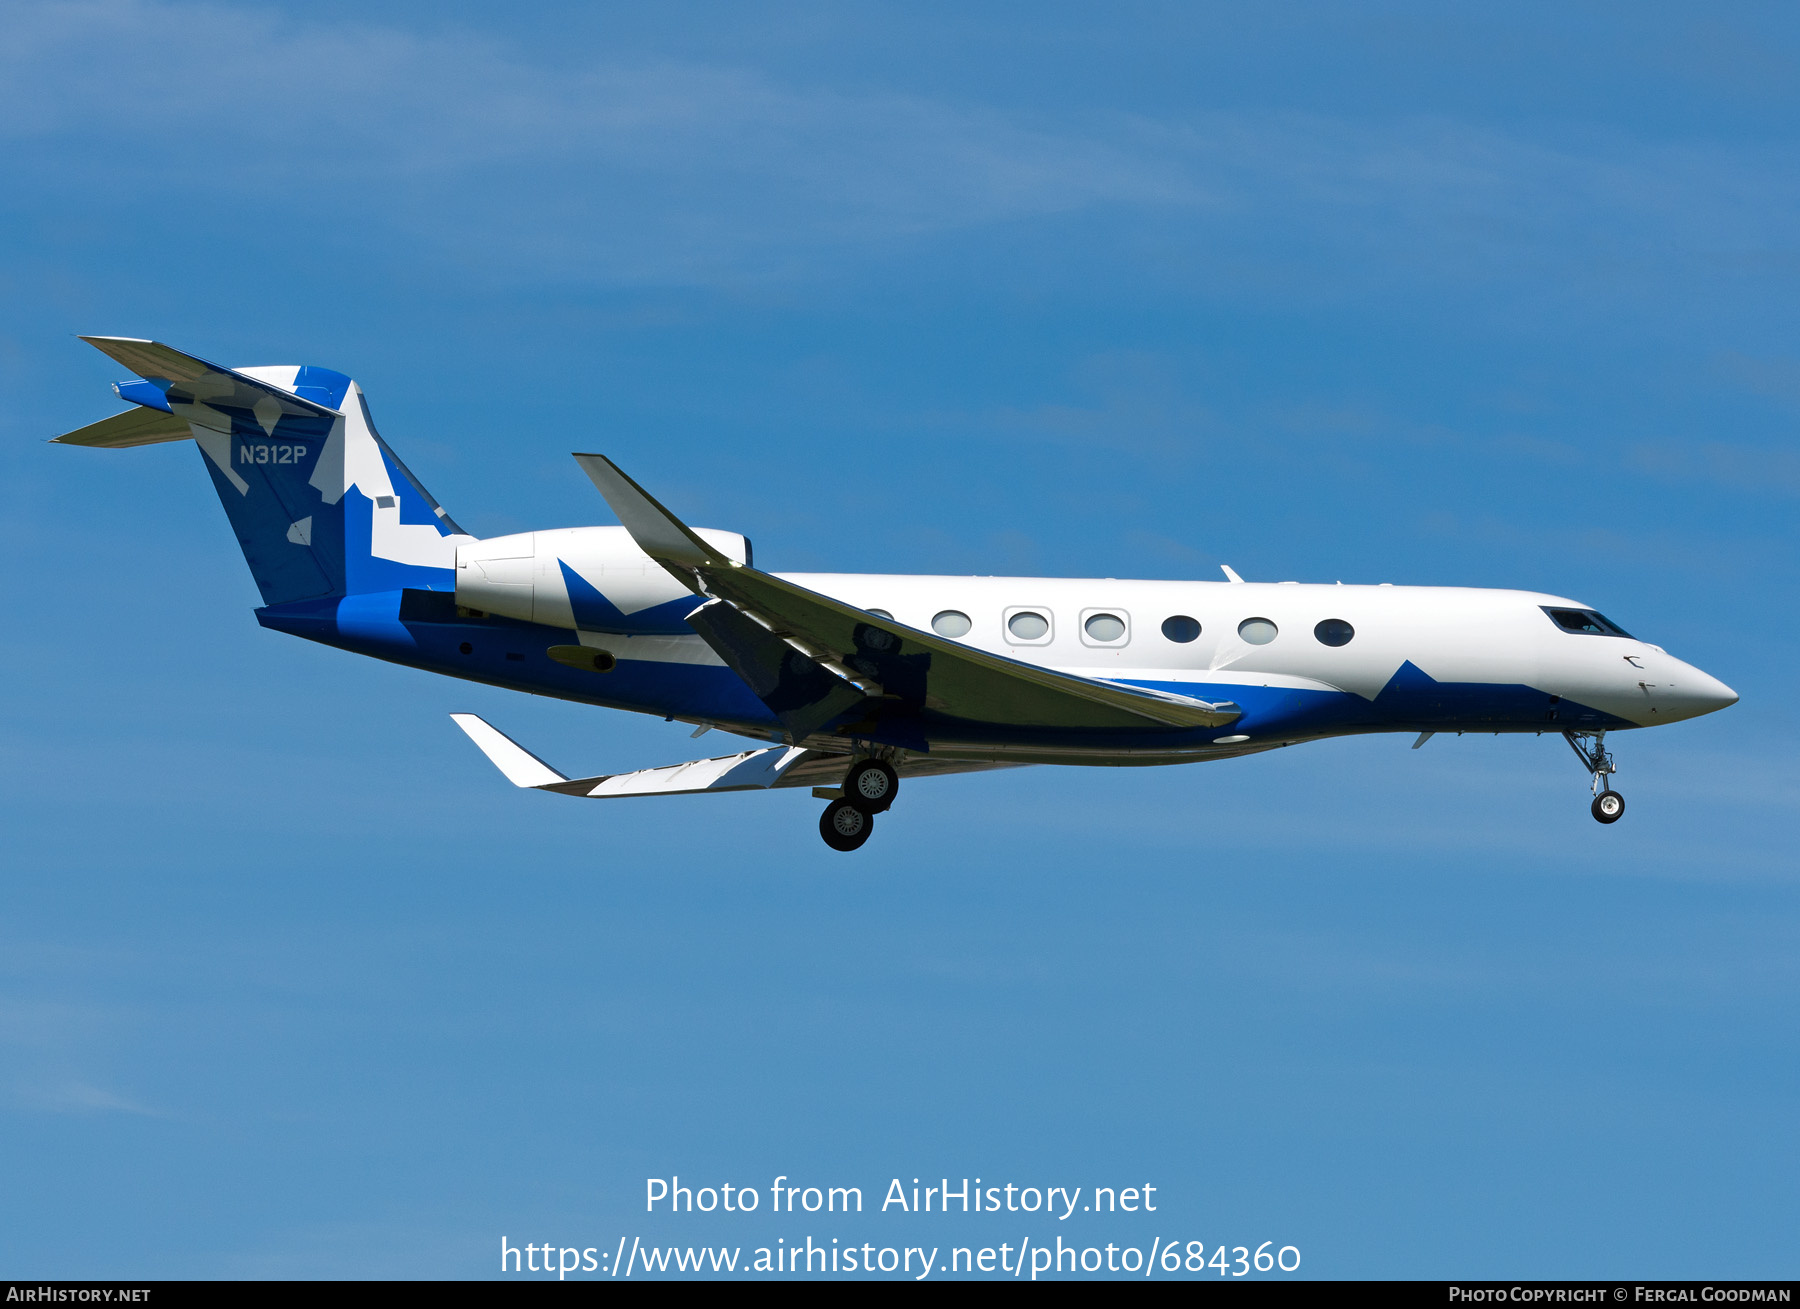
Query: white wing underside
x,y
753,770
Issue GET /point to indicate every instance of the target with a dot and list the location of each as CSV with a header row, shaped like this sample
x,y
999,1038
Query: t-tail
x,y
327,515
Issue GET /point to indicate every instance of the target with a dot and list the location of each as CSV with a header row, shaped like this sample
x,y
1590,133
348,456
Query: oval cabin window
x,y
952,623
1105,627
1028,626
1181,629
1258,631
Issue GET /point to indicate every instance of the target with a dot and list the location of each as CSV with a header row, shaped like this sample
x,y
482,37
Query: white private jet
x,y
858,680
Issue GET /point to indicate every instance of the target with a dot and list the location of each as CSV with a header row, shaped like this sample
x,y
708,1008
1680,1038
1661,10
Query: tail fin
x,y
320,504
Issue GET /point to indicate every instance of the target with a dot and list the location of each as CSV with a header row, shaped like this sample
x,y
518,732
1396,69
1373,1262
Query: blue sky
x,y
292,984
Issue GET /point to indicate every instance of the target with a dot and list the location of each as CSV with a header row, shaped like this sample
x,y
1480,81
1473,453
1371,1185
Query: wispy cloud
x,y
1758,470
46,1043
676,171
465,138
78,1097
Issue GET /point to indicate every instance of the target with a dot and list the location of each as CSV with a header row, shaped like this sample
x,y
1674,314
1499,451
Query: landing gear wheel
x,y
871,784
845,826
1609,807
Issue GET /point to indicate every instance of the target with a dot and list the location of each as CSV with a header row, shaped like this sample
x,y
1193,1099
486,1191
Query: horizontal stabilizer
x,y
133,427
194,381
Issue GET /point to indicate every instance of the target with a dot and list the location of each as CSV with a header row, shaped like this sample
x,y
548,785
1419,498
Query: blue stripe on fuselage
x,y
511,654
508,653
1412,701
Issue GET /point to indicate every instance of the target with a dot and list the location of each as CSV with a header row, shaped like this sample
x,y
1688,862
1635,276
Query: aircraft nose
x,y
1699,693
1714,694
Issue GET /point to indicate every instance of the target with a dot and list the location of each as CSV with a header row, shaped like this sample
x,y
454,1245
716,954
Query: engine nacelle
x,y
592,578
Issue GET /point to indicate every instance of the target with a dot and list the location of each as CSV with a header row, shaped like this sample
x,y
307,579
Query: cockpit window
x,y
1585,622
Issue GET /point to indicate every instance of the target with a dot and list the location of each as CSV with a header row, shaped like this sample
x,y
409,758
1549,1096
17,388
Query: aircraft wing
x,y
753,770
812,658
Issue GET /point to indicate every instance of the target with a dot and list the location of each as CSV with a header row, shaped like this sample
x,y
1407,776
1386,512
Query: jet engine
x,y
591,578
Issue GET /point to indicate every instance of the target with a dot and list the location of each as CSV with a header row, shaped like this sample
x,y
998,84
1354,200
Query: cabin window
x,y
952,623
1181,629
1584,622
1258,631
1028,625
1104,628
1334,631
880,613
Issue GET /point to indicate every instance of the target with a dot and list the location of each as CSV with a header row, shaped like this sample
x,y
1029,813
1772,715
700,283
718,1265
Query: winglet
x,y
1230,573
522,768
658,533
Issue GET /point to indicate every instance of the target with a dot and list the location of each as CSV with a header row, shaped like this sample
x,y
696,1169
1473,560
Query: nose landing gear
x,y
1609,805
869,788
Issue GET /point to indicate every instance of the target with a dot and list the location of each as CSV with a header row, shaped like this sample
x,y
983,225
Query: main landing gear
x,y
1609,805
869,787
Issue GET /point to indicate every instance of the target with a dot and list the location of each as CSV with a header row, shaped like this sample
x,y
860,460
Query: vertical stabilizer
x,y
319,503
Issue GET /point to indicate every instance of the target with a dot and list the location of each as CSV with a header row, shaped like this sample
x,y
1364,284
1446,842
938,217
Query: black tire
x,y
1608,807
845,826
871,785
